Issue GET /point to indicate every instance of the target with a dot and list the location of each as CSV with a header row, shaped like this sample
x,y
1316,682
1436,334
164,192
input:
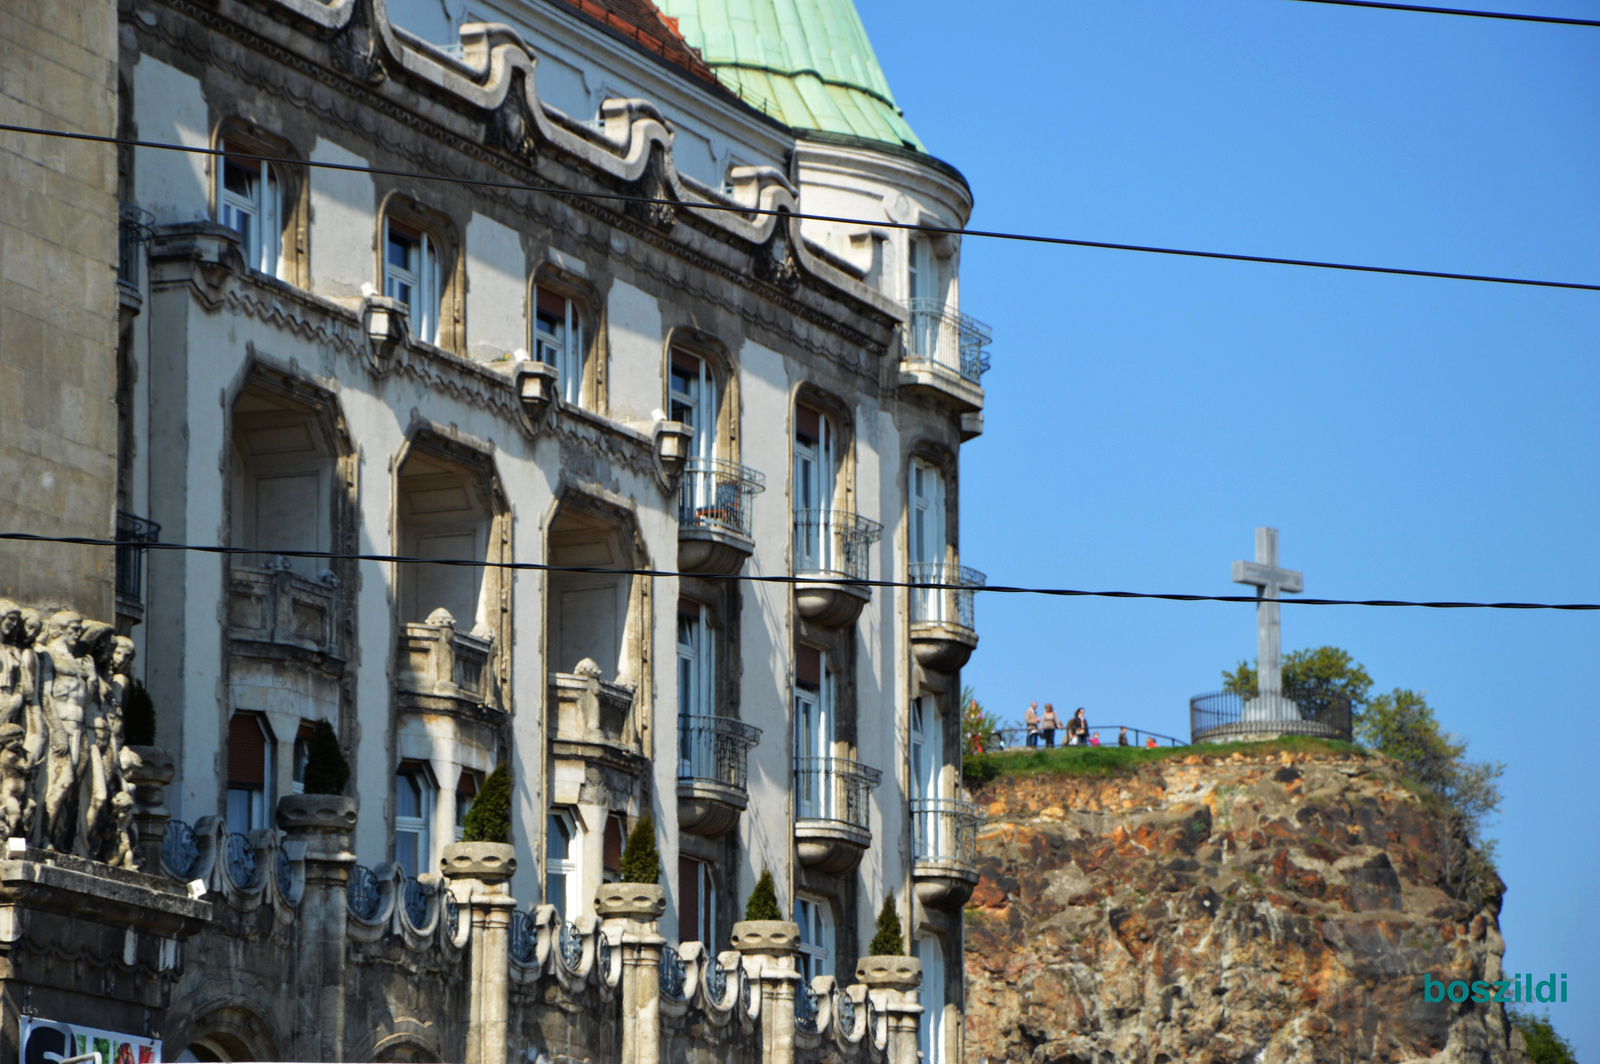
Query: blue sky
x,y
1410,438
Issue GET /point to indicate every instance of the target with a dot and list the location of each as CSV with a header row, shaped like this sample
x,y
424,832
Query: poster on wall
x,y
49,1042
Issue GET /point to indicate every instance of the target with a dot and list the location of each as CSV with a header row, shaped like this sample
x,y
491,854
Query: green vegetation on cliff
x,y
1100,761
1545,1046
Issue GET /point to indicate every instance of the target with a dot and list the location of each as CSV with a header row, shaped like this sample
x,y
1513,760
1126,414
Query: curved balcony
x,y
942,635
830,548
714,503
944,848
712,756
832,803
944,352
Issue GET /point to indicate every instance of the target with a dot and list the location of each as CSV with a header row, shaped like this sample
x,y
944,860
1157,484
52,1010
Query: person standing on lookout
x,y
1048,726
1078,729
1030,719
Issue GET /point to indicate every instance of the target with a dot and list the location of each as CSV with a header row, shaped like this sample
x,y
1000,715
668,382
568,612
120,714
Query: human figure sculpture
x,y
68,683
16,783
101,774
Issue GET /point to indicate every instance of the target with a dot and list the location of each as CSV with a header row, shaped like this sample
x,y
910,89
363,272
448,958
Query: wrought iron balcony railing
x,y
948,604
834,788
716,495
945,829
1226,714
133,229
133,533
833,542
716,749
938,335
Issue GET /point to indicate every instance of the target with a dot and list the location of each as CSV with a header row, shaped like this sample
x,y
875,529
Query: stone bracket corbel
x,y
387,323
537,387
204,255
670,443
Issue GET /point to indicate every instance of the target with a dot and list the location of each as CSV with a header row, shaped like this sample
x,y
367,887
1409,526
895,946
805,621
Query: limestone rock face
x,y
1281,908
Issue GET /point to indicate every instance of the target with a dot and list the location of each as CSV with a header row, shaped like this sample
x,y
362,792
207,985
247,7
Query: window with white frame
x,y
563,848
558,340
411,274
814,447
693,400
250,773
697,903
815,917
413,818
931,1032
696,750
927,546
250,202
813,734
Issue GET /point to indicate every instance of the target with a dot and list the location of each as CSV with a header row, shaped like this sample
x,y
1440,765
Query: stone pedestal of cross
x,y
1269,582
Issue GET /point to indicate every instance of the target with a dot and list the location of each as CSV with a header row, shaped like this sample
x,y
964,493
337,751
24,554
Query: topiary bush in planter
x,y
641,862
763,903
139,717
327,771
890,941
489,819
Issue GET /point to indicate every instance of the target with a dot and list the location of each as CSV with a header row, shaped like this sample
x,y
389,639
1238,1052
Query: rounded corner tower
x,y
809,64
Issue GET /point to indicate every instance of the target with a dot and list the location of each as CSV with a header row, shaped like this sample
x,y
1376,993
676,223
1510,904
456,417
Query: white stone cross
x,y
1269,581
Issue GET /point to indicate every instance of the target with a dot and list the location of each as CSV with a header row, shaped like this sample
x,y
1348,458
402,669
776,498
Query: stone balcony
x,y
272,604
713,753
942,635
714,511
944,847
592,719
830,550
832,797
944,353
441,668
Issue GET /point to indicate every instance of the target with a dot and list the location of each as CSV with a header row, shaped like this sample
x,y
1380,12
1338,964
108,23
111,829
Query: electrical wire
x,y
1506,15
758,211
476,563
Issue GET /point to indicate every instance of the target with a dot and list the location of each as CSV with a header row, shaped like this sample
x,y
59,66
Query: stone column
x,y
892,984
150,814
479,875
772,946
629,913
321,823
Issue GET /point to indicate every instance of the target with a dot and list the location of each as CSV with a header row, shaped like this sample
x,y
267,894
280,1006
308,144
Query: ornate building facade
x,y
536,432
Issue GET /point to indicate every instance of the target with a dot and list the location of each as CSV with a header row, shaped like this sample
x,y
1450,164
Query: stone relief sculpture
x,y
63,769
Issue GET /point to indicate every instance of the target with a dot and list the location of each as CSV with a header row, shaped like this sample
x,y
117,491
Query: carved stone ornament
x,y
508,128
652,184
775,262
354,49
66,781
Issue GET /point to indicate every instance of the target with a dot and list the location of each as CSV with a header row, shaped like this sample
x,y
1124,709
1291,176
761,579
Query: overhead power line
x,y
1003,589
622,197
1506,15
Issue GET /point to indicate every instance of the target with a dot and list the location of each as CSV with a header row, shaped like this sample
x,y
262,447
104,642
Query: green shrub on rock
x,y
889,941
641,863
489,819
139,717
327,771
763,903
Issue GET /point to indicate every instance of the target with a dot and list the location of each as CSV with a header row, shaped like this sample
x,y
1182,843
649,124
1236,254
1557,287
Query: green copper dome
x,y
807,63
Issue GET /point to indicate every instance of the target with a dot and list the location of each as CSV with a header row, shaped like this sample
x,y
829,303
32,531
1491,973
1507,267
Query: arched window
x,y
413,818
412,275
559,339
693,398
250,201
815,455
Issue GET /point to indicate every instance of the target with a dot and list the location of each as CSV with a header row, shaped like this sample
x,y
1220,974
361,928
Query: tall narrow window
x,y
815,917
302,740
931,1032
558,339
694,401
697,903
413,816
813,490
411,274
921,300
927,542
250,773
466,791
562,846
813,734
250,202
696,750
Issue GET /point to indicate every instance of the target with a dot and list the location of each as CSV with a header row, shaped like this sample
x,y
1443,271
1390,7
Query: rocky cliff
x,y
1276,906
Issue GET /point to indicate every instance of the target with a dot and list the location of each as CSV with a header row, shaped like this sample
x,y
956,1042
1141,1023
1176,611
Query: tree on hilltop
x,y
1315,678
